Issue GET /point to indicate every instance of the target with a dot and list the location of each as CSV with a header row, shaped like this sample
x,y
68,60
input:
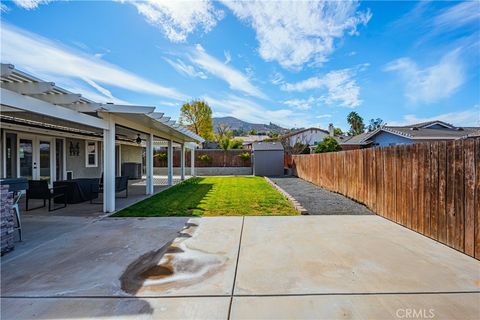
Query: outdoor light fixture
x,y
138,140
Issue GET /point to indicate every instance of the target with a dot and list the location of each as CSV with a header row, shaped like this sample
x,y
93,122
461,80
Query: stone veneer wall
x,y
7,225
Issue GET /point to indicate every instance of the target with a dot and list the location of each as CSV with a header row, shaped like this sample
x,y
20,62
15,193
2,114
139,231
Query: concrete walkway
x,y
303,267
319,201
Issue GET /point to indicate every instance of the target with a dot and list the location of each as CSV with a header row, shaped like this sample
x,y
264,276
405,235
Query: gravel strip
x,y
319,201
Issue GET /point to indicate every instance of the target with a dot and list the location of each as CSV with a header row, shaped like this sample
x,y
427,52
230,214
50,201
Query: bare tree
x,y
295,144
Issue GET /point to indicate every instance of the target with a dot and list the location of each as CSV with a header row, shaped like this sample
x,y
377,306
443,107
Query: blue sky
x,y
295,64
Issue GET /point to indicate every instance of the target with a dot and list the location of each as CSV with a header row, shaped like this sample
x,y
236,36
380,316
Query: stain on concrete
x,y
175,265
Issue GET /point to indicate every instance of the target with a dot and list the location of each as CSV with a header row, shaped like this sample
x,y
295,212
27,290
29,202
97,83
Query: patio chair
x,y
121,184
38,189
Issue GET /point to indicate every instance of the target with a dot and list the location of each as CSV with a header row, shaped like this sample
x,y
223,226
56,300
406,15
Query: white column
x,y
170,162
182,162
109,167
192,162
149,163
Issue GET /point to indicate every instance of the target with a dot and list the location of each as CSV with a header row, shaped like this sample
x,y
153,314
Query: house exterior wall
x,y
76,163
312,137
385,139
131,153
268,162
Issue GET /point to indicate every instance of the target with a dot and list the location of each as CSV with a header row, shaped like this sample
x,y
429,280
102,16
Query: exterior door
x,y
36,157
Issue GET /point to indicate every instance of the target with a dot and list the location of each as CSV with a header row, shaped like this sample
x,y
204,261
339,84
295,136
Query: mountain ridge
x,y
240,125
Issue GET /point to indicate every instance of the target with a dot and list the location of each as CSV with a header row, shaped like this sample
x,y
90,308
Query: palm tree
x,y
356,123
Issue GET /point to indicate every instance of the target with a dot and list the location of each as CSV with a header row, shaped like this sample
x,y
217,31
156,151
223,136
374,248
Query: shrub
x,y
205,158
329,144
236,144
245,156
161,156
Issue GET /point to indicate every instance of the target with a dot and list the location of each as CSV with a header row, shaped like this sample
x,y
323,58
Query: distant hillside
x,y
239,125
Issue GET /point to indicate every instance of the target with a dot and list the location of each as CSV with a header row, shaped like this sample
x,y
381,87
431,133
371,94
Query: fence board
x,y
434,191
469,158
459,238
442,189
477,199
432,188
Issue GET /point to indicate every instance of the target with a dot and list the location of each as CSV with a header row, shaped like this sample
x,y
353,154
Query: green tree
x,y
225,144
356,123
197,116
273,134
337,131
236,144
375,124
329,144
252,132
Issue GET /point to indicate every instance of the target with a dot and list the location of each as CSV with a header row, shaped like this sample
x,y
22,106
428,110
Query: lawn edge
x,y
290,198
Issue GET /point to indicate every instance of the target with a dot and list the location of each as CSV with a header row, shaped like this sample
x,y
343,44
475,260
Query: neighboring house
x,y
415,133
310,136
250,139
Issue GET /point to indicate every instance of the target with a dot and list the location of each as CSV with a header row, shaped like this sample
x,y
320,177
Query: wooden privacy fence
x,y
216,158
431,188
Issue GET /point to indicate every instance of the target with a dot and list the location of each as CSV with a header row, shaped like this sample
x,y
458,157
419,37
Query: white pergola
x,y
22,92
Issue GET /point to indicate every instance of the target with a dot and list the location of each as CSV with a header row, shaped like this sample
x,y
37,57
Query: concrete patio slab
x,y
346,254
115,308
88,260
201,261
39,229
95,259
378,307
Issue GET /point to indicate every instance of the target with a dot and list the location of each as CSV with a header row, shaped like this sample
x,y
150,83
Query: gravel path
x,y
319,201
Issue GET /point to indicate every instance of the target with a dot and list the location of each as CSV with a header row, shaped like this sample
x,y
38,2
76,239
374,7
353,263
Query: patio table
x,y
79,190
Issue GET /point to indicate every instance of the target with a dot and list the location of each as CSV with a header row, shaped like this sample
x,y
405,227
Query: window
x,y
91,154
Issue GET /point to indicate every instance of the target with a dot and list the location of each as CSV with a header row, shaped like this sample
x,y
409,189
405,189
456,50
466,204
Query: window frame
x,y
87,164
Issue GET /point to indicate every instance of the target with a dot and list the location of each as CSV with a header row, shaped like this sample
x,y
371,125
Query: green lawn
x,y
214,196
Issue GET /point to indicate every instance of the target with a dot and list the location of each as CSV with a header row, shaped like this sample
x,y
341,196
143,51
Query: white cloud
x,y
228,56
458,15
248,110
236,79
296,32
30,4
4,8
322,116
339,86
177,19
300,104
276,78
466,118
432,83
52,61
185,69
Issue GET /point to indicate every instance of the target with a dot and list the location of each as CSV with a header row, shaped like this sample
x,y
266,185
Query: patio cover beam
x,y
29,87
149,160
64,98
143,128
182,162
116,108
27,103
170,163
6,69
109,167
192,162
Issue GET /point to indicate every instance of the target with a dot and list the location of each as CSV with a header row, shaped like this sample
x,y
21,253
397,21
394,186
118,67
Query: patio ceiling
x,y
19,87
